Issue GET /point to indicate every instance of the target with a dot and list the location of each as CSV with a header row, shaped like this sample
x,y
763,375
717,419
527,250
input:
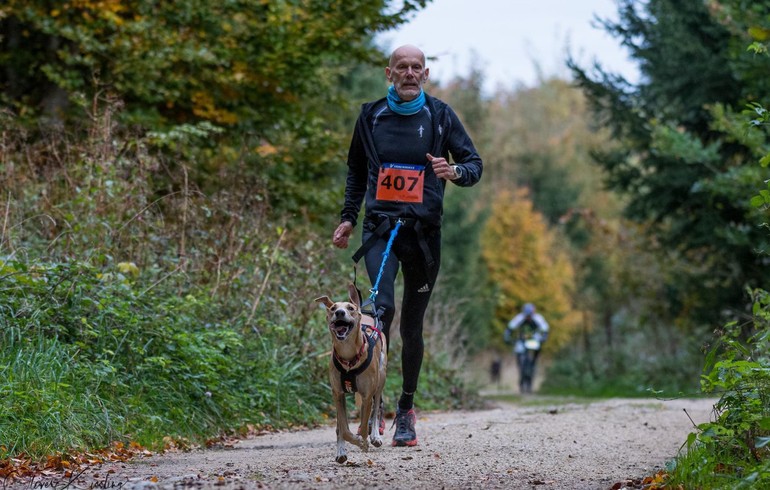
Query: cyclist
x,y
532,333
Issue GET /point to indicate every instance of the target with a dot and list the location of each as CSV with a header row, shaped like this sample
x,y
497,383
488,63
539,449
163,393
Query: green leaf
x,y
764,423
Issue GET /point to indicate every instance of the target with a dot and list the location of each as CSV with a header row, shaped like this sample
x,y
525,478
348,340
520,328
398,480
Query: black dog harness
x,y
347,375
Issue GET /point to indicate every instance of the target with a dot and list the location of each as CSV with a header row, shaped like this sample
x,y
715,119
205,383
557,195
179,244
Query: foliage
x,y
463,283
91,357
626,344
760,117
732,451
524,263
679,164
542,140
637,363
243,62
271,76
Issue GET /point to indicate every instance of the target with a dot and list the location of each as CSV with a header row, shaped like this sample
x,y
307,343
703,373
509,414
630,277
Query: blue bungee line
x,y
393,233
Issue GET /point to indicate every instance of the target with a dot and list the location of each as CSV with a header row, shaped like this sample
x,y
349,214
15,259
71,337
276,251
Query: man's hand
x,y
441,167
342,234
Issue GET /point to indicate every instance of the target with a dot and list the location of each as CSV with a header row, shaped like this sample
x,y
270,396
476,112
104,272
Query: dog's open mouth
x,y
341,328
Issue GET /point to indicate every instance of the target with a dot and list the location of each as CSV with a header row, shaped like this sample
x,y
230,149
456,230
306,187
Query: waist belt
x,y
384,224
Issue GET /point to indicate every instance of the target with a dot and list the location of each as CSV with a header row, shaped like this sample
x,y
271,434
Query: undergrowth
x,y
733,450
636,363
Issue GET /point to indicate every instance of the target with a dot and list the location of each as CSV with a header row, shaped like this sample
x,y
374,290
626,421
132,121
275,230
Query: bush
x,y
636,363
732,451
88,358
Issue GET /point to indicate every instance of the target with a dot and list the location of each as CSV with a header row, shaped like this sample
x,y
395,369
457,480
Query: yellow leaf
x,y
128,268
266,149
759,33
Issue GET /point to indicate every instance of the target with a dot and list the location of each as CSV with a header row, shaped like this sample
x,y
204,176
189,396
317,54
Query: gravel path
x,y
544,443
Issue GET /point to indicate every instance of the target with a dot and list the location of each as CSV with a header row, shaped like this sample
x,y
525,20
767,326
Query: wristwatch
x,y
458,172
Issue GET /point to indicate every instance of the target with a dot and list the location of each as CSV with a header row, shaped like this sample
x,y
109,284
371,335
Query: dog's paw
x,y
341,458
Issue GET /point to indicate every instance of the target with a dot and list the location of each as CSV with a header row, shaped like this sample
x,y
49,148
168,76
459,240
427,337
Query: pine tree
x,y
678,169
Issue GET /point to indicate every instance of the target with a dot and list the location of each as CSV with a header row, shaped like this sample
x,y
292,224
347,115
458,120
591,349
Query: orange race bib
x,y
400,182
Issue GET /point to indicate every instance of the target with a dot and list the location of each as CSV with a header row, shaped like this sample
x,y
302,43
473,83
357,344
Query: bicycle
x,y
526,351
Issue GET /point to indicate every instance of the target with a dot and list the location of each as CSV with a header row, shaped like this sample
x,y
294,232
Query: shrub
x,y
732,450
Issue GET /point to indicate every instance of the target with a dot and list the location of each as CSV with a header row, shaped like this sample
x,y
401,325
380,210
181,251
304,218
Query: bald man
x,y
399,162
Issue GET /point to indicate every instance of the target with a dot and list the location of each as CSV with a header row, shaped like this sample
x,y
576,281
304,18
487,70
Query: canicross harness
x,y
348,373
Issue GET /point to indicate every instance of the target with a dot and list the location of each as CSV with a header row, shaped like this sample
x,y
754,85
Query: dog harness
x,y
348,373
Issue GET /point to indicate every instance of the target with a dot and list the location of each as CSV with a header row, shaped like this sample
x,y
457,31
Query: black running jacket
x,y
450,138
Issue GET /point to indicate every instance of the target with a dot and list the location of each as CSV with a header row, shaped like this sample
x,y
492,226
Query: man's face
x,y
407,72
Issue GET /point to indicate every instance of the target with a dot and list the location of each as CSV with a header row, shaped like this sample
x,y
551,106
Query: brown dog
x,y
358,363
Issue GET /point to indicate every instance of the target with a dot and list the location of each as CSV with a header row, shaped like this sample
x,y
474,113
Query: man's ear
x,y
387,73
426,75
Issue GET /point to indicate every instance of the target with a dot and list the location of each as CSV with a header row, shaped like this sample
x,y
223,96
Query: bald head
x,y
406,50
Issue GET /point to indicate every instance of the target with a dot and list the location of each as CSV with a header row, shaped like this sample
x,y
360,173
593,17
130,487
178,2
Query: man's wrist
x,y
457,172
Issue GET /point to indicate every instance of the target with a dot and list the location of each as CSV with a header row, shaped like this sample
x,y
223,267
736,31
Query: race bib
x,y
400,182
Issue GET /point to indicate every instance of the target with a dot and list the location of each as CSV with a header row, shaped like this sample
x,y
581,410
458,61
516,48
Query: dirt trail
x,y
544,443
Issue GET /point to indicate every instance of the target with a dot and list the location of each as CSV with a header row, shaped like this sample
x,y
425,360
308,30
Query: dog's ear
x,y
355,296
325,301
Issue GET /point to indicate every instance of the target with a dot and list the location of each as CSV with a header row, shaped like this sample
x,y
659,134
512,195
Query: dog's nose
x,y
339,313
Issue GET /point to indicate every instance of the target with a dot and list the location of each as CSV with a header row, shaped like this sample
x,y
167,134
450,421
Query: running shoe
x,y
405,433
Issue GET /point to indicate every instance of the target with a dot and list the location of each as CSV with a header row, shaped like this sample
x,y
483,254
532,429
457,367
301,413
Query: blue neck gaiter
x,y
405,108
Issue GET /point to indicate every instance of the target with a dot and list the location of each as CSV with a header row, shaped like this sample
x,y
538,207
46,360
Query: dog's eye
x,y
351,308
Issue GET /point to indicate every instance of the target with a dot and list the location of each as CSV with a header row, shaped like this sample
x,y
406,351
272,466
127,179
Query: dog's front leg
x,y
343,431
366,413
374,421
379,387
342,427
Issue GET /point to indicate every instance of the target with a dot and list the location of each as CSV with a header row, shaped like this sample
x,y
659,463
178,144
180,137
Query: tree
x,y
462,282
678,167
541,139
525,266
267,77
244,62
